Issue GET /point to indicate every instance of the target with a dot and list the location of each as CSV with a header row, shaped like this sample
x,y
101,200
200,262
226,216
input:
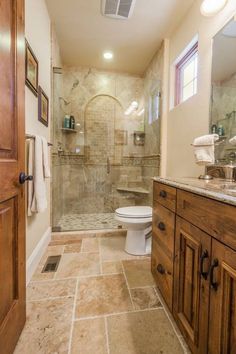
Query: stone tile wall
x,y
86,182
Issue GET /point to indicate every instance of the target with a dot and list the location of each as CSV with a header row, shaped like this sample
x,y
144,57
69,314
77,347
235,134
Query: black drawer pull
x,y
204,256
163,194
161,269
161,226
214,284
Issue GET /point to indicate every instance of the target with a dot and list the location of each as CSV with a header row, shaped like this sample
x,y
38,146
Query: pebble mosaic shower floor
x,y
74,222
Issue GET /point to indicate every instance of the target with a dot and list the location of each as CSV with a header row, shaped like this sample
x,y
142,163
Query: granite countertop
x,y
218,189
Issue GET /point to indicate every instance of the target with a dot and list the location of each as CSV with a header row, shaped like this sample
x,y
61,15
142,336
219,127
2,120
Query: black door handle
x,y
23,178
214,284
161,226
204,256
163,194
161,269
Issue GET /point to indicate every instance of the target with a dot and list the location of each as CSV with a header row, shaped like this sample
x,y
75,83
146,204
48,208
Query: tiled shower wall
x,y
87,188
87,181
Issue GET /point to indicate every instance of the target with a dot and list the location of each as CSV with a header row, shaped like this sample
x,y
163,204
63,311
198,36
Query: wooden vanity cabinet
x,y
197,277
163,231
191,284
222,316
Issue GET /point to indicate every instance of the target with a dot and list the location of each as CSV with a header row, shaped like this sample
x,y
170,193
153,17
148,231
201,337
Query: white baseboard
x,y
36,255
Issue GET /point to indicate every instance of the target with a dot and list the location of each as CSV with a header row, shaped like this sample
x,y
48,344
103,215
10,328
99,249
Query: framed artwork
x,y
121,137
43,106
31,69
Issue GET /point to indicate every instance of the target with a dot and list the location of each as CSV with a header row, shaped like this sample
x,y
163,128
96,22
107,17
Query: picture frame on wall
x,y
43,107
31,69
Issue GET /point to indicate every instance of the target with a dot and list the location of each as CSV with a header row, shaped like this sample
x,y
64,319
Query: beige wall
x,y
191,118
37,32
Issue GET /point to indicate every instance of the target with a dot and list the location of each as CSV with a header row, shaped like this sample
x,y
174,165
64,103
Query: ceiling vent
x,y
118,9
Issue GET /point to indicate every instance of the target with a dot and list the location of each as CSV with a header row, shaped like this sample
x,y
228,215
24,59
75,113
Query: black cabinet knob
x,y
161,226
23,178
163,194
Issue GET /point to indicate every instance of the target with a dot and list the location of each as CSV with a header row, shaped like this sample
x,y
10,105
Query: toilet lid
x,y
135,212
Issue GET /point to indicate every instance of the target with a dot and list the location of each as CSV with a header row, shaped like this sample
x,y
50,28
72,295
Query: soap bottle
x,y
220,130
67,121
72,122
214,129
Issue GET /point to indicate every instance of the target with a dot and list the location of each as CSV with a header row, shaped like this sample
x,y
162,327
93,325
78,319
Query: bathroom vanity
x,y
194,259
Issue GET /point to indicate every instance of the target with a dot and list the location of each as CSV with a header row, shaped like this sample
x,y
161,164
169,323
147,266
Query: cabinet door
x,y
191,284
222,324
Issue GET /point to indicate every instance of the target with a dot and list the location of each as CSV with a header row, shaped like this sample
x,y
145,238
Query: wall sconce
x,y
212,7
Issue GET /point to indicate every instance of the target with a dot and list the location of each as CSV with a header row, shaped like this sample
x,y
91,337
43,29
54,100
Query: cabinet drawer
x,y
165,195
215,218
162,270
163,227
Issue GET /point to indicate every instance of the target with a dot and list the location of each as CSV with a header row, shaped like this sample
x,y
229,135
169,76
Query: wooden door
x,y
222,324
12,208
191,284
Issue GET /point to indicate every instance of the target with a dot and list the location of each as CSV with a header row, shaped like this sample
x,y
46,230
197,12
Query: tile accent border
x,y
34,259
67,158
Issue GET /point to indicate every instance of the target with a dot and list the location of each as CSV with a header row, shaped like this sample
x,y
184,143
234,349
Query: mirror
x,y
223,98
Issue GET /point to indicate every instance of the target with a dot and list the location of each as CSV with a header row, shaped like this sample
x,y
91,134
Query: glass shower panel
x,y
99,166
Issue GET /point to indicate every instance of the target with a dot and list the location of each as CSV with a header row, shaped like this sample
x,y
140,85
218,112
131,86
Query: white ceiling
x,y
83,33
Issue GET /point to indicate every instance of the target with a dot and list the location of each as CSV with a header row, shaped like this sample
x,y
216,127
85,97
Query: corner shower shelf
x,y
139,190
68,130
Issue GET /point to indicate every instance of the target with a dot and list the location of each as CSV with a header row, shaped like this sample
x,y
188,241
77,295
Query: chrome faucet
x,y
230,171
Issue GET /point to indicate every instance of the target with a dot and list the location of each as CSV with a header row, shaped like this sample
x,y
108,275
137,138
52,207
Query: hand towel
x,y
39,203
204,149
232,141
30,171
208,139
46,167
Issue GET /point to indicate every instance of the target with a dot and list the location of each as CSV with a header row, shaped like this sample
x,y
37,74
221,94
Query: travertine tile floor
x,y
100,301
88,222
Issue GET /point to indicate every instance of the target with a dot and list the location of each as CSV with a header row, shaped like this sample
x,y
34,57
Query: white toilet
x,y
138,222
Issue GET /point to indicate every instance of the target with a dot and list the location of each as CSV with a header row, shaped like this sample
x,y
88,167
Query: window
x,y
154,106
186,75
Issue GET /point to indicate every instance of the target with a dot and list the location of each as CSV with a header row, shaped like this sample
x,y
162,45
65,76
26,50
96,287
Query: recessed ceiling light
x,y
212,7
108,55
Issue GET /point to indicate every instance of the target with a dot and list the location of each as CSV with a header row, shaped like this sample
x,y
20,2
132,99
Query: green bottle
x,y
67,121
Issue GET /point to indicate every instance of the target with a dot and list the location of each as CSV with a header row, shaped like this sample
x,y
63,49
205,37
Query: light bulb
x,y
108,55
212,7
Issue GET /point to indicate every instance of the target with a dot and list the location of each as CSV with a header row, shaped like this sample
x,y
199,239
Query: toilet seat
x,y
137,212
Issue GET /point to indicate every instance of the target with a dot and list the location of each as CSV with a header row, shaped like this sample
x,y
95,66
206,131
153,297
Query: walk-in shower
x,y
101,164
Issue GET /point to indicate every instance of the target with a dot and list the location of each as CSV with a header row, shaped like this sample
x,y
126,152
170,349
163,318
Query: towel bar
x,y
29,136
